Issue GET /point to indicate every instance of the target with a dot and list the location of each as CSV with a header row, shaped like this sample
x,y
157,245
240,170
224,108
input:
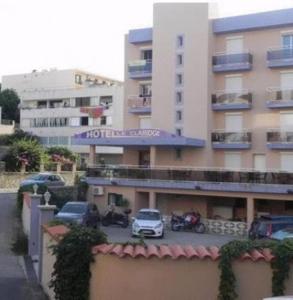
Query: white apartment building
x,y
57,104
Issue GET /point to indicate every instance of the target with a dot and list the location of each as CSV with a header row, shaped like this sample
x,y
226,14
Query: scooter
x,y
189,221
113,218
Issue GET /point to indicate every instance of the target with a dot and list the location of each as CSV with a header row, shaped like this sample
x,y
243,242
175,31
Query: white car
x,y
148,222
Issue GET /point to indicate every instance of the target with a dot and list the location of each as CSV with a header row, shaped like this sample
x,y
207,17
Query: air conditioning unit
x,y
98,191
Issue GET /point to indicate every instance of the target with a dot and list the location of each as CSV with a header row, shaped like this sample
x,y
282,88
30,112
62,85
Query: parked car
x,y
148,222
82,213
265,226
286,233
49,179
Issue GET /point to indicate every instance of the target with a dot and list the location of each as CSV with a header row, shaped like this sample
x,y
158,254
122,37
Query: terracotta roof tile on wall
x,y
56,232
175,252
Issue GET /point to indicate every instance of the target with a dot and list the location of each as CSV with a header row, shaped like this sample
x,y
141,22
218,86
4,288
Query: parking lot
x,y
120,235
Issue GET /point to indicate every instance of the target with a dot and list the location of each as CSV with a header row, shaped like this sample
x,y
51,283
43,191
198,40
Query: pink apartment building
x,y
208,116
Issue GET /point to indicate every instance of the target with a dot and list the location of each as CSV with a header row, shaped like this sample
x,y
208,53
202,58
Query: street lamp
x,y
47,197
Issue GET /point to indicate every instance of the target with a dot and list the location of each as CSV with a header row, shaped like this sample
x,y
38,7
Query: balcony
x,y
279,139
139,104
192,179
231,140
280,98
232,62
140,69
231,100
280,57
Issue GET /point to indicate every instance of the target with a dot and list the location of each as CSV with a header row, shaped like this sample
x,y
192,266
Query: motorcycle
x,y
113,218
188,221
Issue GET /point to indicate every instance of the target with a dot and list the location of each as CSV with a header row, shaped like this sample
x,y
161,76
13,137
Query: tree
x,y
9,101
61,154
26,151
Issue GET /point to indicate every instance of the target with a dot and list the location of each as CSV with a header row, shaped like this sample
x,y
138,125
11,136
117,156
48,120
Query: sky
x,y
85,34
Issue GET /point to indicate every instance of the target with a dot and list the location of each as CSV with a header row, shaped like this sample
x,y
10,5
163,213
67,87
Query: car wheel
x,y
124,224
175,227
199,228
105,223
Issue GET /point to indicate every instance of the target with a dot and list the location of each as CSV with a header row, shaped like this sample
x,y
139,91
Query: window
x,y
53,140
84,121
82,101
180,41
233,122
74,121
179,131
179,97
147,54
78,79
178,115
287,40
115,199
109,120
286,80
179,79
259,162
287,162
55,103
178,154
233,83
106,101
234,44
63,140
42,104
103,120
43,140
233,160
145,90
39,122
58,122
179,59
286,121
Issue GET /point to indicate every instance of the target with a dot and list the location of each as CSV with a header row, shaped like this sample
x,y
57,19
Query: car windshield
x,y
148,215
74,208
38,177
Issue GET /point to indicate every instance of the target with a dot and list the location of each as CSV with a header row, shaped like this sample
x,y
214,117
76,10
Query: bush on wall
x,y
71,275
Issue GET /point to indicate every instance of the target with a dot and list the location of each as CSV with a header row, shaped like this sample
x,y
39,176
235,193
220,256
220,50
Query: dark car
x,y
82,213
265,226
49,179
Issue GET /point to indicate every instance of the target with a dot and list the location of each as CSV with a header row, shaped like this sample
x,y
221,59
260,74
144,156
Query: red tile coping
x,y
175,252
56,232
161,251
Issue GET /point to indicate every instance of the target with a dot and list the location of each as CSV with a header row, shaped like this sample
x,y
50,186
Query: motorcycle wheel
x,y
199,228
174,227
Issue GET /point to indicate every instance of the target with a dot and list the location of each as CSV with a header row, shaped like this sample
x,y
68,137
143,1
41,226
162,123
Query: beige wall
x,y
153,278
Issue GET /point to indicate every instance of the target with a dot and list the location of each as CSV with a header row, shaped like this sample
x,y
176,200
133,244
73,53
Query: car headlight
x,y
158,226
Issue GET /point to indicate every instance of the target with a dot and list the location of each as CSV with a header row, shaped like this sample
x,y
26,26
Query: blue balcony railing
x,y
231,140
140,69
139,104
231,100
280,98
280,139
232,62
280,57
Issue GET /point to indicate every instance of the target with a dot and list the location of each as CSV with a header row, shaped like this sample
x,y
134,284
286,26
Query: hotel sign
x,y
130,133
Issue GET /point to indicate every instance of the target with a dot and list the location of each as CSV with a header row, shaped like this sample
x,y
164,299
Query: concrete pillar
x,y
152,200
92,155
74,168
34,225
153,154
22,168
45,215
58,167
249,210
42,168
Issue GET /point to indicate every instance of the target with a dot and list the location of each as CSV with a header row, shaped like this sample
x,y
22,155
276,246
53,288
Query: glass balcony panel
x,y
140,68
231,100
232,62
280,57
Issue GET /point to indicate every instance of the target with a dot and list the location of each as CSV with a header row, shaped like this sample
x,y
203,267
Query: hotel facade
x,y
208,116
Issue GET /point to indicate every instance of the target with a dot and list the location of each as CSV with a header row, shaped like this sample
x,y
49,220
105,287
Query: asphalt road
x,y
120,235
13,282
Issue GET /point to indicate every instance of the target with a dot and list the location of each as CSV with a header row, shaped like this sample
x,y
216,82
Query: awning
x,y
134,137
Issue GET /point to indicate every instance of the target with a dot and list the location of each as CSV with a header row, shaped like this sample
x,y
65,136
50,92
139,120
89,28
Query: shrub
x,y
71,275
